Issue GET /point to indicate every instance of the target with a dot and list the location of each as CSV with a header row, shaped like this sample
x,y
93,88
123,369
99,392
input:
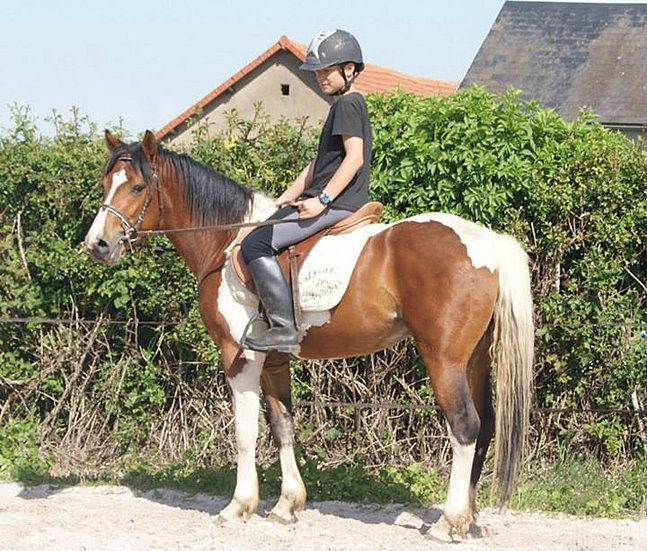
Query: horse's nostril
x,y
101,245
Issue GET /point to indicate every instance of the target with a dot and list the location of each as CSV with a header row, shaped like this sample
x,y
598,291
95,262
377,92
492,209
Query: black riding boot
x,y
275,296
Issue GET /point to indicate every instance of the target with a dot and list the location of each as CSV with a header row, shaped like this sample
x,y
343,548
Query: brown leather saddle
x,y
293,257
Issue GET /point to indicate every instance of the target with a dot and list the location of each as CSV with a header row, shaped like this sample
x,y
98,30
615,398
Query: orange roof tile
x,y
373,79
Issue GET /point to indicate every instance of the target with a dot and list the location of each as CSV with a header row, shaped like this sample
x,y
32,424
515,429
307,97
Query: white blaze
x,y
96,230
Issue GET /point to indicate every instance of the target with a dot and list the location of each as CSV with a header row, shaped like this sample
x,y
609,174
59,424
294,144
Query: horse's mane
x,y
212,197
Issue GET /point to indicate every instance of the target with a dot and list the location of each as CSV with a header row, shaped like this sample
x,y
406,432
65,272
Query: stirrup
x,y
258,316
285,348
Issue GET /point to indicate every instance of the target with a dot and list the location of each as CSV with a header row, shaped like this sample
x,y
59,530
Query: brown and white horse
x,y
460,290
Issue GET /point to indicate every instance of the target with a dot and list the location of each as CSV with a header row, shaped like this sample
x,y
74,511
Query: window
x,y
285,89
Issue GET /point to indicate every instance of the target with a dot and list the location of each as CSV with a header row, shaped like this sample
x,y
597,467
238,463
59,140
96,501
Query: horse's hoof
x,y
237,511
476,532
221,521
436,537
281,519
441,532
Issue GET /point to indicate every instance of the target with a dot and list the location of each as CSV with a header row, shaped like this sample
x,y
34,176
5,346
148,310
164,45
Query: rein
x,y
220,227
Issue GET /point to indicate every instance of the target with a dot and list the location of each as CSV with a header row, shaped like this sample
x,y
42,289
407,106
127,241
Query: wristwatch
x,y
324,199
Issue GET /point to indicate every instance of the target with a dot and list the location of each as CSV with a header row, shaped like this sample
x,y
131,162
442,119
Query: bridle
x,y
132,230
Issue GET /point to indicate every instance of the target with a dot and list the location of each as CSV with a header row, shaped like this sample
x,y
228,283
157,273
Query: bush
x,y
571,192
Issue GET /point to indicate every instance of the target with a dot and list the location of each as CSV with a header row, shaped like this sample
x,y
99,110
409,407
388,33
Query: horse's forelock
x,y
133,152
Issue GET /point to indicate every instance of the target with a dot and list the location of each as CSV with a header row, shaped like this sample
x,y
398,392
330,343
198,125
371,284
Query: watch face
x,y
324,198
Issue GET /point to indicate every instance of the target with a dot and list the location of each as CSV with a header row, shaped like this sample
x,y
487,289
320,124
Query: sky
x,y
141,63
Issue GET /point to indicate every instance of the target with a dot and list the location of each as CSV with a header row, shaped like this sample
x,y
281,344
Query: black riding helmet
x,y
334,47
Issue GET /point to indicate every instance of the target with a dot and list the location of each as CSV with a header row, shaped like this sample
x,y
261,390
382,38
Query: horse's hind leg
x,y
275,382
448,378
479,380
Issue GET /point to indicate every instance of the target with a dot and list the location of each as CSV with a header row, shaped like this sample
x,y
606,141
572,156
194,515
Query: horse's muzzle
x,y
102,251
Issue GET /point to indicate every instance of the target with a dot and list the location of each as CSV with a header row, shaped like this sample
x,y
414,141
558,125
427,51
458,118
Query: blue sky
x,y
146,61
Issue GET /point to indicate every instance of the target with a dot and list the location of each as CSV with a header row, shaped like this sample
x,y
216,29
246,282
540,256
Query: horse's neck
x,y
206,251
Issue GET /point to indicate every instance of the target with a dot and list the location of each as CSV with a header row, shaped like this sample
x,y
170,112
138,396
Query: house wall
x,y
264,84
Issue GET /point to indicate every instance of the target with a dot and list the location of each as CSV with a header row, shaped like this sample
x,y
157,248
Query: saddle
x,y
367,214
292,258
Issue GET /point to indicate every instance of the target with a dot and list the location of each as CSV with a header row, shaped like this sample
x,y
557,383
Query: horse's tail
x,y
512,352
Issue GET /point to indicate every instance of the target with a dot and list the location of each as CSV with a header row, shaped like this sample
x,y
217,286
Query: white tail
x,y
512,353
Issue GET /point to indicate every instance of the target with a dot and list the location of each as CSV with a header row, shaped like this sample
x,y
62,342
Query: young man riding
x,y
332,187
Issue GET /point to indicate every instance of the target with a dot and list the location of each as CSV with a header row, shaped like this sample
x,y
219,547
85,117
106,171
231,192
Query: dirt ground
x,y
111,518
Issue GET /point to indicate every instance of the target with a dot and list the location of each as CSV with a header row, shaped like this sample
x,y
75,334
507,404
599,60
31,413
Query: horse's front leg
x,y
275,382
243,373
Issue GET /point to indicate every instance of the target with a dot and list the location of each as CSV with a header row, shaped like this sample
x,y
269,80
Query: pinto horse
x,y
461,291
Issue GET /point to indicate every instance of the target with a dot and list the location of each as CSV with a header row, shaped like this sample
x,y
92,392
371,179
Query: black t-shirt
x,y
348,116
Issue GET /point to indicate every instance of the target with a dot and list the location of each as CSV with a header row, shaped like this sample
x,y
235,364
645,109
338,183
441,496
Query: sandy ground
x,y
111,518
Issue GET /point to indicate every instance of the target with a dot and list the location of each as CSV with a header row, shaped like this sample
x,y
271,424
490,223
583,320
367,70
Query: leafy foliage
x,y
571,192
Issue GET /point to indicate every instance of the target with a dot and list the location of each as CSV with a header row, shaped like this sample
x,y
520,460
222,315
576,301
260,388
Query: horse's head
x,y
130,198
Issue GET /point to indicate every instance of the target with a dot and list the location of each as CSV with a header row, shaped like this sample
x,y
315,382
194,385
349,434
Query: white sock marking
x,y
245,388
458,502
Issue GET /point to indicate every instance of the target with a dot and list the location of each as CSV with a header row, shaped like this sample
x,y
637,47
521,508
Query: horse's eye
x,y
138,189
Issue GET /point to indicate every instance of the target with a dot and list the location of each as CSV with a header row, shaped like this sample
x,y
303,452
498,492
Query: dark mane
x,y
213,198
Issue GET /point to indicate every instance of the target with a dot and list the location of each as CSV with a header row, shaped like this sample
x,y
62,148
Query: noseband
x,y
131,230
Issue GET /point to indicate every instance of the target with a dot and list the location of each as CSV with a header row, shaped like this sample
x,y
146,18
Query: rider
x,y
329,189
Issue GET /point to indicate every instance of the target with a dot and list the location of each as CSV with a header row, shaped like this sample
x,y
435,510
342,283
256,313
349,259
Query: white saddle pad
x,y
325,273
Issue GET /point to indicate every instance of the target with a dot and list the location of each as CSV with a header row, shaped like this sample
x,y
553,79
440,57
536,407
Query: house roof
x,y
569,55
373,79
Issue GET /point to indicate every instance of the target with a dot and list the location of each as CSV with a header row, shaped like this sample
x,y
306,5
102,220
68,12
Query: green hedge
x,y
571,192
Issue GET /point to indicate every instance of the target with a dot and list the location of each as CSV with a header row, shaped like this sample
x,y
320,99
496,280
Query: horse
x,y
460,290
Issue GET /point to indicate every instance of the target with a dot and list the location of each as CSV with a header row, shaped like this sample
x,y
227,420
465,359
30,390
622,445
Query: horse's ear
x,y
149,146
112,141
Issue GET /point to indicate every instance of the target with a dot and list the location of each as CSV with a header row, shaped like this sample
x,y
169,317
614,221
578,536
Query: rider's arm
x,y
353,160
296,188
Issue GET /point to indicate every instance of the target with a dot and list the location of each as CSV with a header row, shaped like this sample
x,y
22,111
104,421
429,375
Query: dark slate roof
x,y
568,55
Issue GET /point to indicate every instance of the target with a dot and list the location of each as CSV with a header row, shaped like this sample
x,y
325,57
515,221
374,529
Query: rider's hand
x,y
281,204
309,208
